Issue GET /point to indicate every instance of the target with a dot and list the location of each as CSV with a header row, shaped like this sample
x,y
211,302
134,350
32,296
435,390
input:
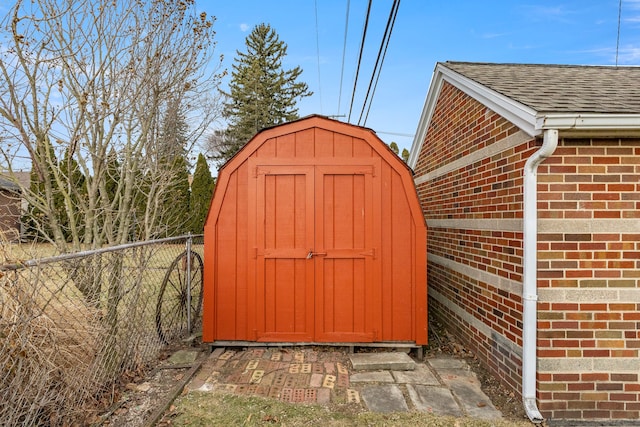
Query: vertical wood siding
x,y
332,189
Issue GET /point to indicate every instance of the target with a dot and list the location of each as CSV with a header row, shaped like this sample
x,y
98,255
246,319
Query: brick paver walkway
x,y
443,386
290,375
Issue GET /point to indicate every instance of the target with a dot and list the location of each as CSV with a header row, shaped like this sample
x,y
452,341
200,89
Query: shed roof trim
x,y
309,122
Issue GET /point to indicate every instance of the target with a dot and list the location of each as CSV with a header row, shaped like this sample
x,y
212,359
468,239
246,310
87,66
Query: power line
x,y
618,38
315,3
410,135
382,53
344,50
380,70
364,36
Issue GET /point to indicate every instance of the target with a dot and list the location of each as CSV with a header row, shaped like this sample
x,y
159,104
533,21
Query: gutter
x,y
588,121
530,276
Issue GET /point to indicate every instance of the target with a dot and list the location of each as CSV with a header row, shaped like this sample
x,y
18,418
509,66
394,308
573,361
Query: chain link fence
x,y
72,326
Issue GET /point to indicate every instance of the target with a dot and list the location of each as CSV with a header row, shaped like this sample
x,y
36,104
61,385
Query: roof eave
x,y
517,113
530,121
425,118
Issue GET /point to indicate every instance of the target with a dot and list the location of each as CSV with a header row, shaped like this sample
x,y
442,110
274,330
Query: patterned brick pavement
x,y
442,385
290,375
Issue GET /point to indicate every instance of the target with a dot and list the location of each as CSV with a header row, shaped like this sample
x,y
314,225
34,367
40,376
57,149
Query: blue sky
x,y
425,32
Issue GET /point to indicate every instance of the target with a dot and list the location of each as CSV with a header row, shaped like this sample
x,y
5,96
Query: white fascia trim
x,y
425,117
588,121
519,114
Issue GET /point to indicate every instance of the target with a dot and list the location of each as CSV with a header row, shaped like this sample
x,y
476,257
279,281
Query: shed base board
x,y
394,344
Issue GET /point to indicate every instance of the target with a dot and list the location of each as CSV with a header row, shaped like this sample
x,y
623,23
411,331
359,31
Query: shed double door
x,y
315,253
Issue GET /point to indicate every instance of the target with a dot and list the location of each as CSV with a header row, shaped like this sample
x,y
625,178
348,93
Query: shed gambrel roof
x,y
576,99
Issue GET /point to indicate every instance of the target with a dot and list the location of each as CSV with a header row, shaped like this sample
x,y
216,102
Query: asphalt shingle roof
x,y
560,88
7,184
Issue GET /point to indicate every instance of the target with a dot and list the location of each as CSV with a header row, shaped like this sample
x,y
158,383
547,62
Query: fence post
x,y
189,238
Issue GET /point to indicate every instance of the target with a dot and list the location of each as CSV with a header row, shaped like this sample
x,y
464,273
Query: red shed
x,y
315,235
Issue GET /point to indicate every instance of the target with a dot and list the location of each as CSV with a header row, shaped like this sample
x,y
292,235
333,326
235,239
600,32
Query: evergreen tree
x,y
201,193
177,199
222,145
35,220
262,93
394,147
112,176
173,140
77,193
405,155
172,151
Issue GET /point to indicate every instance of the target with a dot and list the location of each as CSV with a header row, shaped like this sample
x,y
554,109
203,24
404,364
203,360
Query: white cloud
x,y
558,13
493,35
634,4
244,27
631,7
629,55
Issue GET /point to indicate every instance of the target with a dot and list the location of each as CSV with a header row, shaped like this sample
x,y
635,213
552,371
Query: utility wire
x,y
375,86
315,3
344,50
411,135
364,35
618,38
382,52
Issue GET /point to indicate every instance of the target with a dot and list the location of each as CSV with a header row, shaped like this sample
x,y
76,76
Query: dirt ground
x,y
143,399
142,395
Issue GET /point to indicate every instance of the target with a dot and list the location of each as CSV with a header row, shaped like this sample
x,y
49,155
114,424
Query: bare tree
x,y
87,80
89,90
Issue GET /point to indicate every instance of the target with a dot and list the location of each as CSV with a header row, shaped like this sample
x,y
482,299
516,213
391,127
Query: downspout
x,y
529,285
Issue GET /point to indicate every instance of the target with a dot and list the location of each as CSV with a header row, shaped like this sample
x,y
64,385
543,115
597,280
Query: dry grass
x,y
62,354
14,252
47,353
218,409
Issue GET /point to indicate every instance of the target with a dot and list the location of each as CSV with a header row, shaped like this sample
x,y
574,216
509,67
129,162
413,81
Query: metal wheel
x,y
171,309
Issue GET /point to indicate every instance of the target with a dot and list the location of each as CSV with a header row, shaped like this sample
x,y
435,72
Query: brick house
x,y
529,179
10,210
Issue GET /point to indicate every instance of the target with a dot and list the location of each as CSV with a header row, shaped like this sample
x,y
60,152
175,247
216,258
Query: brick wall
x,y
9,215
469,182
589,280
